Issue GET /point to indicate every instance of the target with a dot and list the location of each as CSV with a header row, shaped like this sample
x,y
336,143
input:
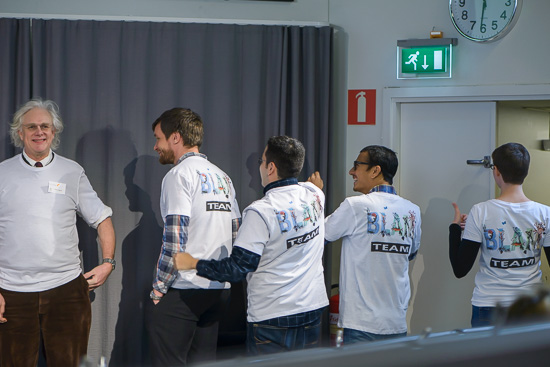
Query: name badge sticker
x,y
57,187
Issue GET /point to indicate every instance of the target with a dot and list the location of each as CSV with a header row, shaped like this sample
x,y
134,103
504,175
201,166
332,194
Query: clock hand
x,y
482,26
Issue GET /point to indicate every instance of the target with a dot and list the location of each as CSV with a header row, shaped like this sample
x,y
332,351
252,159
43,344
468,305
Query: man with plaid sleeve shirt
x,y
279,249
201,216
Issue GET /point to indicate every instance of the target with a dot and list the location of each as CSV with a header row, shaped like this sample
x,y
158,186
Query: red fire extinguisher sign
x,y
361,106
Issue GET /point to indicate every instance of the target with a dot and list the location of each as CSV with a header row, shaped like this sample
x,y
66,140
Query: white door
x,y
436,141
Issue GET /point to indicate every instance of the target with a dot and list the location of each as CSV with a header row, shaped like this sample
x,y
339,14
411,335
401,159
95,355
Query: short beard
x,y
166,157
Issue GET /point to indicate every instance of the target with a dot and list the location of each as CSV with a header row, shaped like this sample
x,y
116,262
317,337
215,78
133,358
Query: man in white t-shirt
x,y
44,297
381,234
511,231
201,215
279,249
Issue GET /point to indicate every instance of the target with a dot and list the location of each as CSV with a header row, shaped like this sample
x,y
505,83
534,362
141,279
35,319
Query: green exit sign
x,y
425,58
420,60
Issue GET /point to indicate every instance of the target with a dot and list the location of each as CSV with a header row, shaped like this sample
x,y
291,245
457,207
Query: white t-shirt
x,y
286,228
38,236
198,189
379,230
511,236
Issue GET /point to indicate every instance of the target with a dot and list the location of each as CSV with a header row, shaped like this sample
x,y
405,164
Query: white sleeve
x,y
417,233
340,223
235,212
177,193
89,206
253,233
473,230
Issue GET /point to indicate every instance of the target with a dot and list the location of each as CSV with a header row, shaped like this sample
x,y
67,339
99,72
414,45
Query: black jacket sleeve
x,y
462,253
547,252
230,269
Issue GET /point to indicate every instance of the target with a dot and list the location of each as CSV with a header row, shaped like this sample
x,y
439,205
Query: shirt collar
x,y
384,188
191,154
280,183
32,162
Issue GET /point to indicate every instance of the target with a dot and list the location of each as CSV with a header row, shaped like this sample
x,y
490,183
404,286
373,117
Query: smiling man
x,y
43,293
381,234
37,133
201,216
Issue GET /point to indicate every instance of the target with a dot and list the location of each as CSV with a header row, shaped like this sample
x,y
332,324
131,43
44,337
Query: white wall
x,y
371,29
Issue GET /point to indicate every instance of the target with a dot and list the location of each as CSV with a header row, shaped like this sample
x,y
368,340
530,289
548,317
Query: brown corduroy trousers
x,y
60,318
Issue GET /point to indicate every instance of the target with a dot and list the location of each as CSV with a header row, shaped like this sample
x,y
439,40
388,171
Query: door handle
x,y
486,161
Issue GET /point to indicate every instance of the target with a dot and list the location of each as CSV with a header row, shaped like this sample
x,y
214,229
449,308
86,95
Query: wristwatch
x,y
110,261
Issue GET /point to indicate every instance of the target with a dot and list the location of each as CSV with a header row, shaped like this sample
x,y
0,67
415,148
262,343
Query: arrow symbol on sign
x,y
425,66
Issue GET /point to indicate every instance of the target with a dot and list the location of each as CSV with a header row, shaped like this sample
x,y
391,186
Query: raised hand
x,y
459,219
316,179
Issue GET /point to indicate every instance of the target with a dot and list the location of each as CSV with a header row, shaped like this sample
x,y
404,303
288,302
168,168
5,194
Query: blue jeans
x,y
353,336
266,337
483,316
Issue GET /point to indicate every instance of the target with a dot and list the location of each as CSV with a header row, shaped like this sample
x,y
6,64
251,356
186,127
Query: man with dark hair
x,y
511,231
513,162
201,216
287,154
381,234
44,297
279,249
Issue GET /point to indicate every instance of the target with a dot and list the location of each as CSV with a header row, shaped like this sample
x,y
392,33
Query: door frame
x,y
393,97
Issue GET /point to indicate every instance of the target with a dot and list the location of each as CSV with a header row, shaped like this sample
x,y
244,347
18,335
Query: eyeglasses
x,y
356,163
492,166
34,127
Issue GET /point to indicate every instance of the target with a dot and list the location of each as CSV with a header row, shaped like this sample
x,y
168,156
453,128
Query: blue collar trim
x,y
191,154
280,183
384,188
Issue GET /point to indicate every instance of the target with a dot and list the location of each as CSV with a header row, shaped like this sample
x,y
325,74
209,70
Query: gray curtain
x,y
15,86
112,79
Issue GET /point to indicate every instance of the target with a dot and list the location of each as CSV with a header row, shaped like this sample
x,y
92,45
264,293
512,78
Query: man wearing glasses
x,y
381,234
43,293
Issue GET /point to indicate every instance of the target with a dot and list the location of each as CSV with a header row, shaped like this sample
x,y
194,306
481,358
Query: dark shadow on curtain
x,y
255,182
96,152
139,253
104,153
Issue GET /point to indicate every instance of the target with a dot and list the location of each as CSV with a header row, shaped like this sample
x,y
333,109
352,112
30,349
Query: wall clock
x,y
484,20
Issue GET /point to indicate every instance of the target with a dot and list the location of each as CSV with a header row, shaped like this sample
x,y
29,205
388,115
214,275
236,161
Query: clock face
x,y
484,20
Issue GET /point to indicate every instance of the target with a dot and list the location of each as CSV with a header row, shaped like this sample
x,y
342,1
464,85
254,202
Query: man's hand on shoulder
x,y
184,261
316,179
98,275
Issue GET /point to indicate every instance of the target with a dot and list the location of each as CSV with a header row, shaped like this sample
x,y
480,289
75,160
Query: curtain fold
x,y
113,79
15,86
